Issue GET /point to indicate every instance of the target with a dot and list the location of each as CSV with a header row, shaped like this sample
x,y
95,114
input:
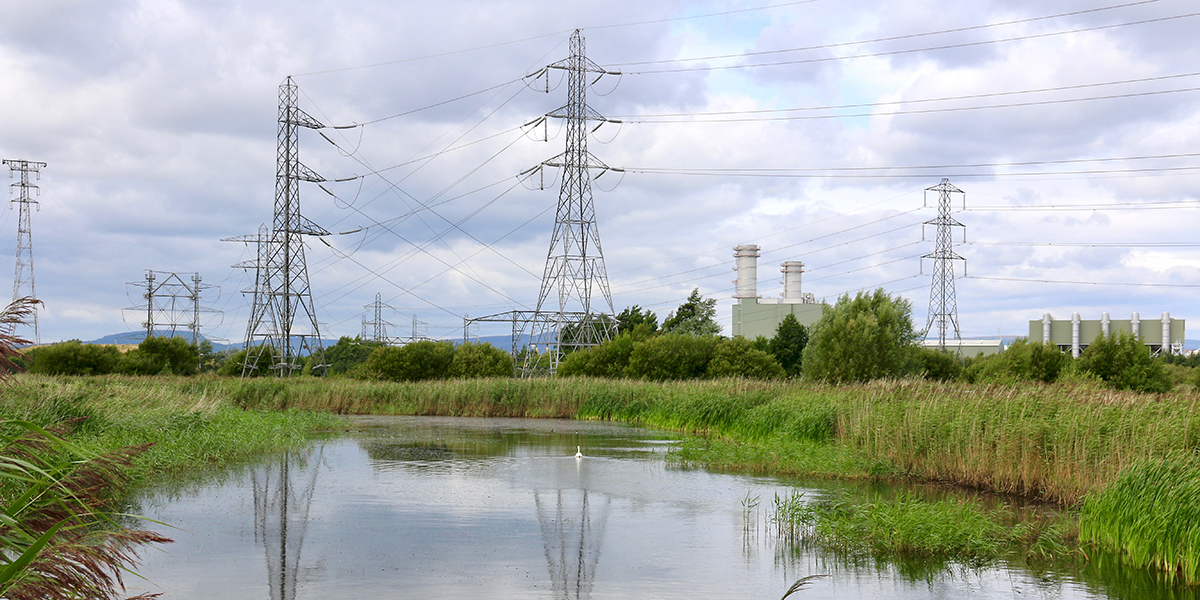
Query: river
x,y
423,507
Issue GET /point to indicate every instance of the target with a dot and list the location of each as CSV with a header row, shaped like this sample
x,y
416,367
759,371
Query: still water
x,y
498,508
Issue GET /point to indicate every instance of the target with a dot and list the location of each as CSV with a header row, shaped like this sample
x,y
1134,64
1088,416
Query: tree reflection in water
x,y
282,495
572,532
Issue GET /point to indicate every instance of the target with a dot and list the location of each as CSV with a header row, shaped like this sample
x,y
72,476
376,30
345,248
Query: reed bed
x,y
1062,443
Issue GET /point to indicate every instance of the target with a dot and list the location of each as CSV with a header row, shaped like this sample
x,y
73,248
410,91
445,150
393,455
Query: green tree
x,y
161,355
788,345
866,337
348,353
418,361
480,360
696,316
74,358
1125,363
634,316
671,356
739,358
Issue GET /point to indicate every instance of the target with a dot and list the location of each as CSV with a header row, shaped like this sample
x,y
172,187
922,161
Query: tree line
x,y
859,338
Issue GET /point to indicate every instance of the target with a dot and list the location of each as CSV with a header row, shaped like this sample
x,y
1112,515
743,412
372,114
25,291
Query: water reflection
x,y
572,533
283,493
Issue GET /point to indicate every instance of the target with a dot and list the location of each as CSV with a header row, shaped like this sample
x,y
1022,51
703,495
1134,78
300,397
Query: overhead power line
x,y
913,50
885,39
1113,283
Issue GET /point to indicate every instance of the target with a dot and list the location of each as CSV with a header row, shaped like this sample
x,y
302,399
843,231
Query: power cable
x,y
915,50
1114,283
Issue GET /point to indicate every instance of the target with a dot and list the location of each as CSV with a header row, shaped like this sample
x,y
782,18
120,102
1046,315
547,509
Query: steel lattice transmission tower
x,y
375,329
23,278
943,308
173,302
282,295
564,319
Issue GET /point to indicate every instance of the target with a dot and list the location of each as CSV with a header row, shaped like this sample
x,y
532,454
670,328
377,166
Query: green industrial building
x,y
754,316
1162,335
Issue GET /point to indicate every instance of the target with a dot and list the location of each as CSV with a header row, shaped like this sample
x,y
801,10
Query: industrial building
x,y
1161,335
753,315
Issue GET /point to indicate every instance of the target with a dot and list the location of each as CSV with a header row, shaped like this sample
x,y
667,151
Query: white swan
x,y
578,452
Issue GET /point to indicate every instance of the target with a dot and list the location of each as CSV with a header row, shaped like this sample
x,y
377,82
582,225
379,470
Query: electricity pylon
x,y
172,303
943,308
564,319
23,278
375,329
282,293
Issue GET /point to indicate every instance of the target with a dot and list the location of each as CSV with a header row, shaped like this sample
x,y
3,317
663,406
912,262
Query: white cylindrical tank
x,y
747,270
1166,343
792,270
1135,323
1046,321
1075,335
1105,325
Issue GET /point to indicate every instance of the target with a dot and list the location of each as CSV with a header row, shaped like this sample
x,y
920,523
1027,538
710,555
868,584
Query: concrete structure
x,y
754,316
1076,334
968,348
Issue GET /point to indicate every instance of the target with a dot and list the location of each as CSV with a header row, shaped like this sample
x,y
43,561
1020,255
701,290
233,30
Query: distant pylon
x,y
172,303
375,329
282,293
943,308
23,278
563,320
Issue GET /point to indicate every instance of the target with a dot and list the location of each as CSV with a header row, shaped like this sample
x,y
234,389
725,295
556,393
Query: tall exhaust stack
x,y
792,294
747,270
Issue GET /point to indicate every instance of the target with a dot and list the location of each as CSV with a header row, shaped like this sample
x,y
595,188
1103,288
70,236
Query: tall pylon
x,y
23,284
375,329
943,307
282,293
564,319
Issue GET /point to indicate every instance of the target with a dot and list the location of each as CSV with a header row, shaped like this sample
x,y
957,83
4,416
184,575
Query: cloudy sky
x,y
809,128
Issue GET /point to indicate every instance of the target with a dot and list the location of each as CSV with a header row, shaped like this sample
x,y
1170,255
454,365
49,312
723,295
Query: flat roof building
x,y
1164,334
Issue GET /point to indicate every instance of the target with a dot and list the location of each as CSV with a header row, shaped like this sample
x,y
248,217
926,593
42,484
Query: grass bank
x,y
1065,444
190,424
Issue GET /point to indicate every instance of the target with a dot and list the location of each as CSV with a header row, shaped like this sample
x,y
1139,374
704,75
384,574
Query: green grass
x,y
1151,516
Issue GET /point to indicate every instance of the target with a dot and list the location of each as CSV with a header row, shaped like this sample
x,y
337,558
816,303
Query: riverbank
x,y
1058,443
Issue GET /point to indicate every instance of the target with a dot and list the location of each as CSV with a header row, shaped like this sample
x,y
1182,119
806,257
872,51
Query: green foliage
x,y
1151,516
480,360
262,357
939,365
635,315
74,358
348,353
1022,361
739,358
418,361
161,355
609,359
671,356
696,316
866,337
788,344
1125,363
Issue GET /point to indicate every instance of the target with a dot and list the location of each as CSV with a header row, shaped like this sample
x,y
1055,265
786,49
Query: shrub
x,y
609,359
1124,363
939,365
866,337
739,358
161,355
417,361
671,356
481,360
348,353
74,358
1022,361
696,316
